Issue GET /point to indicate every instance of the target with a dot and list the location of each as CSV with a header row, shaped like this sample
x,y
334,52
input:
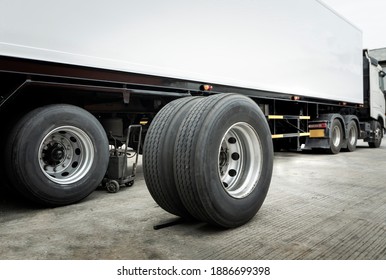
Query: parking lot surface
x,y
319,207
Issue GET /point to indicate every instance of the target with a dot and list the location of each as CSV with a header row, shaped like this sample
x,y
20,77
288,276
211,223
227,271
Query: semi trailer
x,y
206,91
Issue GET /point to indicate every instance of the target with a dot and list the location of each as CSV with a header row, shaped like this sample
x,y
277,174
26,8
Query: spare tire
x,y
158,155
223,160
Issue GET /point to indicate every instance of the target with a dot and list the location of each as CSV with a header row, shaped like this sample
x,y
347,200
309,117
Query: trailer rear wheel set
x,y
220,159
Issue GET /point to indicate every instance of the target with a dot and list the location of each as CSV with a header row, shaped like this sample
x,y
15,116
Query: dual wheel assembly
x,y
209,159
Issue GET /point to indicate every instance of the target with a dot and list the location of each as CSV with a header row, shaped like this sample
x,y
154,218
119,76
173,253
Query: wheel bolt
x,y
235,156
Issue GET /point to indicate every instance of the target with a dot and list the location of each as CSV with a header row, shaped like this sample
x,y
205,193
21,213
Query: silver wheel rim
x,y
240,160
352,136
378,134
66,155
336,136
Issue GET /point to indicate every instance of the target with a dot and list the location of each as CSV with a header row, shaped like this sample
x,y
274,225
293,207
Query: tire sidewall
x,y
352,125
336,149
378,142
231,211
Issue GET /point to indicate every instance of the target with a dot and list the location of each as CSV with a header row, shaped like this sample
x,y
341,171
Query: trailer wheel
x,y
158,155
352,136
57,154
378,136
224,160
336,137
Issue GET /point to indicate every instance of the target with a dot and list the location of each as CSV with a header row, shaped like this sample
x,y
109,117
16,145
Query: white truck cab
x,y
377,90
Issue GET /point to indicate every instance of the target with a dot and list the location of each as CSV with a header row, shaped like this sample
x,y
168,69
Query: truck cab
x,y
376,90
374,101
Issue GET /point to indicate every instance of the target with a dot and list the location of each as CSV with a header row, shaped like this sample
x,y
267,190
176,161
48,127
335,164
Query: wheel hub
x,y
66,155
378,134
54,154
223,159
240,160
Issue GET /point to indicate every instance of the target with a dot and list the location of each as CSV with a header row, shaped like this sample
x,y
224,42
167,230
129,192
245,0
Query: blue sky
x,y
368,15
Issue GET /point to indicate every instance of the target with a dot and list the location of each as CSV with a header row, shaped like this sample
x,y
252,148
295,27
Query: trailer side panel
x,y
295,47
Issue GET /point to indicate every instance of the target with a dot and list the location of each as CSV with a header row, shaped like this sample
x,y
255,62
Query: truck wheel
x,y
336,137
158,155
224,160
57,154
352,136
378,136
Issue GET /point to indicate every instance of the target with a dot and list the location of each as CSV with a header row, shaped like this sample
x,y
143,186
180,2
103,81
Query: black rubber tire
x,y
352,136
23,160
336,144
158,155
377,143
197,151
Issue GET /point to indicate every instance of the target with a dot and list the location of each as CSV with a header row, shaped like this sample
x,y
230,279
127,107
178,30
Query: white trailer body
x,y
297,47
207,83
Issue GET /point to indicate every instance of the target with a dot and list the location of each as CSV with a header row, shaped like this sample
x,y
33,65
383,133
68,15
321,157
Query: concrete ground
x,y
318,207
